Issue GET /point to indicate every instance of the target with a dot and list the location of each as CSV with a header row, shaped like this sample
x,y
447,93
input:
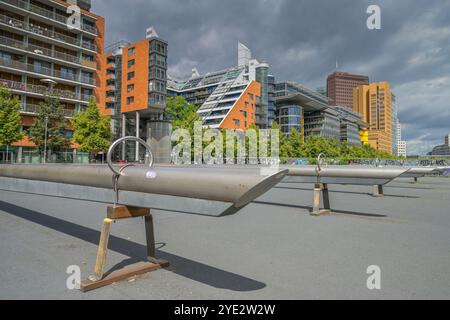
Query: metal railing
x,y
35,109
48,14
65,94
43,51
42,31
46,71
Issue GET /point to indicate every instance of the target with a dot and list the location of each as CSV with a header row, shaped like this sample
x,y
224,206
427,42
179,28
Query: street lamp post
x,y
45,141
51,83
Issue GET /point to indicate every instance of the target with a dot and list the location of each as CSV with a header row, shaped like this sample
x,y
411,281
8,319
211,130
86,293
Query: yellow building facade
x,y
374,103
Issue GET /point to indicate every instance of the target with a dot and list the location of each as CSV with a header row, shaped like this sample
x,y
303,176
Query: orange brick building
x,y
35,45
135,86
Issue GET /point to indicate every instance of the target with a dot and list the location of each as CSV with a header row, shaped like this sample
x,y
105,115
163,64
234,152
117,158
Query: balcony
x,y
48,14
38,30
42,90
35,109
45,52
45,71
89,64
89,46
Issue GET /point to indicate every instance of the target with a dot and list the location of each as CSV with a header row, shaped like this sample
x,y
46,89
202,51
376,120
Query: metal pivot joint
x,y
320,188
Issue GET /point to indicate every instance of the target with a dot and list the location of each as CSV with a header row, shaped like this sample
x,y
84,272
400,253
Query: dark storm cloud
x,y
301,39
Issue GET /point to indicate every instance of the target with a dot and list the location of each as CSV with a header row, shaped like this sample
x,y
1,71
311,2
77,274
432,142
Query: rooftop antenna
x,y
337,64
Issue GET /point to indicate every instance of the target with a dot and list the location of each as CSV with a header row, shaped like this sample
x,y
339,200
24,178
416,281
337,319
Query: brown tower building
x,y
340,87
375,104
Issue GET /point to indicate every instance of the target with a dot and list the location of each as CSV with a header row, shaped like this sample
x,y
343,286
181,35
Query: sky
x,y
303,39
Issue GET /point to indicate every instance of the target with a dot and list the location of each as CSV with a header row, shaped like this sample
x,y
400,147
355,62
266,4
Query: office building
x,y
234,98
401,145
40,54
340,87
374,103
402,148
307,111
443,150
351,125
135,92
395,126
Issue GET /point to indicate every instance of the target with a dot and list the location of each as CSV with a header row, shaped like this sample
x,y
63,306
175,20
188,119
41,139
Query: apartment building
x,y
40,54
135,90
340,87
234,98
374,103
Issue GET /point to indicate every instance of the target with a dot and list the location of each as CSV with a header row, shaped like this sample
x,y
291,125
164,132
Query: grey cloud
x,y
301,39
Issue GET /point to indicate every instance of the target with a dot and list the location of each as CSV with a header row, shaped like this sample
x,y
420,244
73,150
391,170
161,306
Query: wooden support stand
x,y
321,188
100,279
378,191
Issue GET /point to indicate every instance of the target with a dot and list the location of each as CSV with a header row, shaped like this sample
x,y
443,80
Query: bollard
x,y
321,189
378,191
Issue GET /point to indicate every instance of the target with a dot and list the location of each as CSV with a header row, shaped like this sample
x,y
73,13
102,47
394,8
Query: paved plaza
x,y
271,249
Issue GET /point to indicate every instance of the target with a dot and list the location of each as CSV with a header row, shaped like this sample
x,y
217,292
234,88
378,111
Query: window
x,y
237,122
131,63
131,51
130,87
130,75
130,100
252,97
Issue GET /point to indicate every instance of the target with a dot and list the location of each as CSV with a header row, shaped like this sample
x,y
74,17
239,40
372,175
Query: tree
x,y
295,140
10,123
51,115
285,146
181,114
92,130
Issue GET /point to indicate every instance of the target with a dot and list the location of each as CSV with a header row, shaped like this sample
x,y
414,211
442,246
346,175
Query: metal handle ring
x,y
319,162
118,173
121,140
319,166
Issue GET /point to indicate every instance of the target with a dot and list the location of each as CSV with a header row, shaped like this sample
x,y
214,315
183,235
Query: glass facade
x,y
271,99
322,124
262,75
157,75
290,117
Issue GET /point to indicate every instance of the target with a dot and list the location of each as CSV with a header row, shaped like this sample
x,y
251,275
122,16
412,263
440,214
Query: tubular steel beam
x,y
420,172
343,175
352,175
224,185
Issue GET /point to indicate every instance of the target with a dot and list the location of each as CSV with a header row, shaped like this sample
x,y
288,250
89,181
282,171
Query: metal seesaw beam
x,y
351,175
348,175
192,190
321,177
